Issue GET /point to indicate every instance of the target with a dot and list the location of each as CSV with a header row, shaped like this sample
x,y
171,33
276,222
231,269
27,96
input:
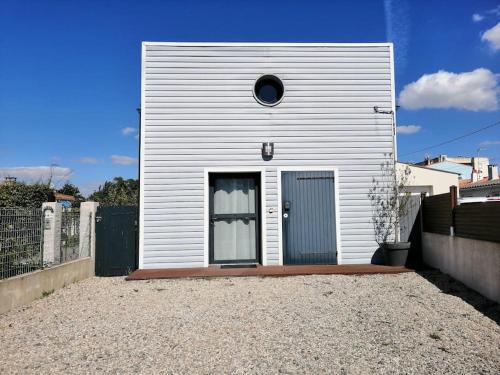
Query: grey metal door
x,y
408,221
411,231
308,209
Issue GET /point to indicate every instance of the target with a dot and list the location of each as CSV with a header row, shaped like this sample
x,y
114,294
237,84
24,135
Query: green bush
x,y
118,192
19,194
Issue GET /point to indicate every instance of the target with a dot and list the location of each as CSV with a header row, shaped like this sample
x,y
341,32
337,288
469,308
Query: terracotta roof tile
x,y
483,182
64,197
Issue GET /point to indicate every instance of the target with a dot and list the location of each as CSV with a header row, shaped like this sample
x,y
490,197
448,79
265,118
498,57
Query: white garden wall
x,y
473,262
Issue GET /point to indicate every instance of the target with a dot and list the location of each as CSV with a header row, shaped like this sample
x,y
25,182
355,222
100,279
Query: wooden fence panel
x,y
437,211
480,221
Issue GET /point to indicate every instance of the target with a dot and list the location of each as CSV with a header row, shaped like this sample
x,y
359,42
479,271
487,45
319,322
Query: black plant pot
x,y
396,253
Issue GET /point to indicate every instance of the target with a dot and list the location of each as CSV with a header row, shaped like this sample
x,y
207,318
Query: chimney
x,y
492,172
473,176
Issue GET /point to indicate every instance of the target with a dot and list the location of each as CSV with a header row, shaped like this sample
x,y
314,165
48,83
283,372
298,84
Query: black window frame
x,y
268,77
212,217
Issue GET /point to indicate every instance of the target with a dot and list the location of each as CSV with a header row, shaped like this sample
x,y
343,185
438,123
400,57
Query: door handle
x,y
286,209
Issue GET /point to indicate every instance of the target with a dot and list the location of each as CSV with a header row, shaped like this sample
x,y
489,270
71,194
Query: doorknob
x,y
286,208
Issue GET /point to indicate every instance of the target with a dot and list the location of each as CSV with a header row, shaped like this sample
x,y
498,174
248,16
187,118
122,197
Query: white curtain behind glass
x,y
234,196
234,239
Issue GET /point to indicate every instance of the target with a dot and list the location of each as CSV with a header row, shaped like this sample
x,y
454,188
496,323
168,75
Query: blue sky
x,y
70,70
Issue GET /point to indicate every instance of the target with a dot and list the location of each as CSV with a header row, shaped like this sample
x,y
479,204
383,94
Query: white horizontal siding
x,y
199,112
272,218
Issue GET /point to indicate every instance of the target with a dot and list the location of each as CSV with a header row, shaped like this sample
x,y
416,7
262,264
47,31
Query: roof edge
x,y
481,184
265,44
427,168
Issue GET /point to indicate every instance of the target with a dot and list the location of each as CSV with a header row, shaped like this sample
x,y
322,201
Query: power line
x,y
454,139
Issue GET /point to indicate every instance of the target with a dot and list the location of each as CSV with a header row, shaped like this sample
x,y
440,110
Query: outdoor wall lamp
x,y
376,109
267,150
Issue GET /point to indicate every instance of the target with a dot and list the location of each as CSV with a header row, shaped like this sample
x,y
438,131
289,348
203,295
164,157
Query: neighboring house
x,y
422,180
487,187
429,181
65,199
464,171
475,168
261,153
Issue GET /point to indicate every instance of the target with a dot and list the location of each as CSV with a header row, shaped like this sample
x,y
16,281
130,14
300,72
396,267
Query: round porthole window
x,y
268,90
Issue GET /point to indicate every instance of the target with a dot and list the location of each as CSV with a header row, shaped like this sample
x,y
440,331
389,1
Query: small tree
x,y
118,192
389,201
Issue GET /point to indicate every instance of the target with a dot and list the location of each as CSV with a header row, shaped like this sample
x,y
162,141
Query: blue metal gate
x,y
308,208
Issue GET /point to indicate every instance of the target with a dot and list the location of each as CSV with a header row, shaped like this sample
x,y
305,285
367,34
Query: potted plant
x,y
389,200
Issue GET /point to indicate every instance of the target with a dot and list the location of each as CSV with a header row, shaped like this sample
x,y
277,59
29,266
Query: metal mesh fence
x,y
20,240
31,239
70,235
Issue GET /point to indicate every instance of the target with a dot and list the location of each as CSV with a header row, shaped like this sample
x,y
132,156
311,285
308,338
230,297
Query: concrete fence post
x,y
454,203
52,232
87,229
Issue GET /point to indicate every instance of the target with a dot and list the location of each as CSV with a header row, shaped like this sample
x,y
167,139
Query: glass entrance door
x,y
234,218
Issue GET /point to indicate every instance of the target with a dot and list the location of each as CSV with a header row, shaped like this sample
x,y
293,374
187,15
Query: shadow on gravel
x,y
451,286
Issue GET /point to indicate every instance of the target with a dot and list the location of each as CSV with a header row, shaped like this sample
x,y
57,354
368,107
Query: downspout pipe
x,y
393,124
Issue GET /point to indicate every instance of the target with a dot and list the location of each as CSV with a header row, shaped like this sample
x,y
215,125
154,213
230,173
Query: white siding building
x,y
210,195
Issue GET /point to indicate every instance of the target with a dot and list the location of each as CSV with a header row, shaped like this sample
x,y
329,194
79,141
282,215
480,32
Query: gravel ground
x,y
313,324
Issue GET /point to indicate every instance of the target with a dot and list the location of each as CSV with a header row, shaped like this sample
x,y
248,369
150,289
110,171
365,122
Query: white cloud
x,y
136,136
37,174
128,131
476,17
492,37
123,160
495,11
473,91
489,143
408,129
88,160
